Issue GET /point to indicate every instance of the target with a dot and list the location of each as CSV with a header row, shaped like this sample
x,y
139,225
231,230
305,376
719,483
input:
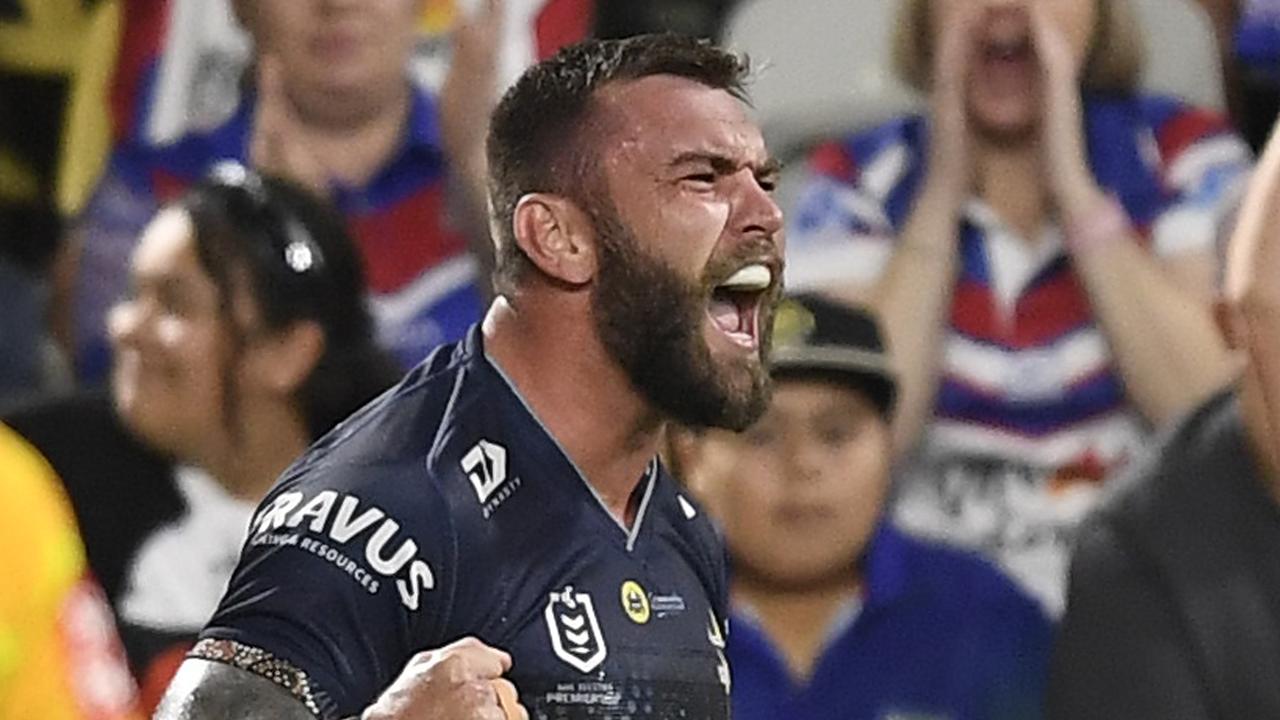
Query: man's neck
x,y
581,397
798,622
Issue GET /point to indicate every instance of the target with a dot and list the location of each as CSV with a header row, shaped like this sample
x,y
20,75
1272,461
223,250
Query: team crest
x,y
575,631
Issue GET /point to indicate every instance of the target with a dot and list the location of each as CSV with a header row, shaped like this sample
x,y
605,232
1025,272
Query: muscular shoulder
x,y
396,437
380,494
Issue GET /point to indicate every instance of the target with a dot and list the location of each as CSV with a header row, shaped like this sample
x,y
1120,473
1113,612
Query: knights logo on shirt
x,y
575,631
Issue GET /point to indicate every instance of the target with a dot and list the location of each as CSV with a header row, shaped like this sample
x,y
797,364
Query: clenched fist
x,y
460,681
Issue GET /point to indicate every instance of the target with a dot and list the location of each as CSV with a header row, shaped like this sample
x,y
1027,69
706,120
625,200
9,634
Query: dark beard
x,y
650,322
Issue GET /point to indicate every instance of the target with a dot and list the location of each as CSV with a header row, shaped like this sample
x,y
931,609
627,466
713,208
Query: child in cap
x,y
836,613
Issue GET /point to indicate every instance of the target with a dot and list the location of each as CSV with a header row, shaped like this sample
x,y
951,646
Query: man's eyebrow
x,y
769,168
723,163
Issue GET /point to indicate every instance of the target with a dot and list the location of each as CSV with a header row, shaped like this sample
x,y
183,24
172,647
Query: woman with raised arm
x,y
1039,245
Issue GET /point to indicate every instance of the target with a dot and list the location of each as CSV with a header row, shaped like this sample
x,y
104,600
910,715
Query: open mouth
x,y
1008,49
736,303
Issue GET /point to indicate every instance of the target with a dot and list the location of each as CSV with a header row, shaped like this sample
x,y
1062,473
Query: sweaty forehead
x,y
663,116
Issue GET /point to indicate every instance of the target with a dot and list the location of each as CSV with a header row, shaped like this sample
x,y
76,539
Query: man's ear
x,y
282,361
557,236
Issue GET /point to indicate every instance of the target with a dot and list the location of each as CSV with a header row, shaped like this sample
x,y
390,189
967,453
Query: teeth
x,y
751,277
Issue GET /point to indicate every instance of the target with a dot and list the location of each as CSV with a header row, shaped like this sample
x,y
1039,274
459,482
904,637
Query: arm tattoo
x,y
204,690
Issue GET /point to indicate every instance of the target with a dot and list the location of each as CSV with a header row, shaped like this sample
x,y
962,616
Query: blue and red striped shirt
x,y
1031,411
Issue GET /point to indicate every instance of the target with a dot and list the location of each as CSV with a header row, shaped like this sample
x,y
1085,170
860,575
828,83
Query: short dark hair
x,y
536,141
292,251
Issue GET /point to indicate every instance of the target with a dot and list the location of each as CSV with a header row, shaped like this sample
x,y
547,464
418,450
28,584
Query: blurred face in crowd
x,y
1005,96
801,491
335,49
690,248
173,343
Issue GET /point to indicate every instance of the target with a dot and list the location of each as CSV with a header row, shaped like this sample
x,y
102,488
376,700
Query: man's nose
x,y
757,213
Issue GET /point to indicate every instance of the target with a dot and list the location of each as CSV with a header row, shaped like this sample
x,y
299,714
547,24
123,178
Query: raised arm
x,y
1156,313
913,295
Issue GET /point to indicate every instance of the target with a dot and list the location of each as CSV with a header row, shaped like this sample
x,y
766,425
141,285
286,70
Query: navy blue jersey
x,y
445,509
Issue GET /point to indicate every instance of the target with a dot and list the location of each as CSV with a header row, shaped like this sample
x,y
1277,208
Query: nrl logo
x,y
575,631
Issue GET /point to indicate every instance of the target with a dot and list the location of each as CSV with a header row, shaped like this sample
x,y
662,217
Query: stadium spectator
x,y
245,338
330,105
60,656
835,612
1039,247
1174,603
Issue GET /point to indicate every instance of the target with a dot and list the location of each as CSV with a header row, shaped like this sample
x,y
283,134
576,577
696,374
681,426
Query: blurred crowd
x,y
1017,463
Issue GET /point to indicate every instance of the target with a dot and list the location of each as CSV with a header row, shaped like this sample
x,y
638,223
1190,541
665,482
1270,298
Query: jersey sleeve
x,y
342,579
1204,166
840,229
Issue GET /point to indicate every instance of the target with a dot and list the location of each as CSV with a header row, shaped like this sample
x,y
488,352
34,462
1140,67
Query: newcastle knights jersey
x,y
445,509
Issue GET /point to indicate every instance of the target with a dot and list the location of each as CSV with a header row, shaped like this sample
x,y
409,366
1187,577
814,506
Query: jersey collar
x,y
648,484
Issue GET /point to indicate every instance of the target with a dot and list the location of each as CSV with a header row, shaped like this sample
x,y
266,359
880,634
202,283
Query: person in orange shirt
x,y
60,658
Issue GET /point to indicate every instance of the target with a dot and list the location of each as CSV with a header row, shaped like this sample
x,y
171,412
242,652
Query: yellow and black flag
x,y
42,44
